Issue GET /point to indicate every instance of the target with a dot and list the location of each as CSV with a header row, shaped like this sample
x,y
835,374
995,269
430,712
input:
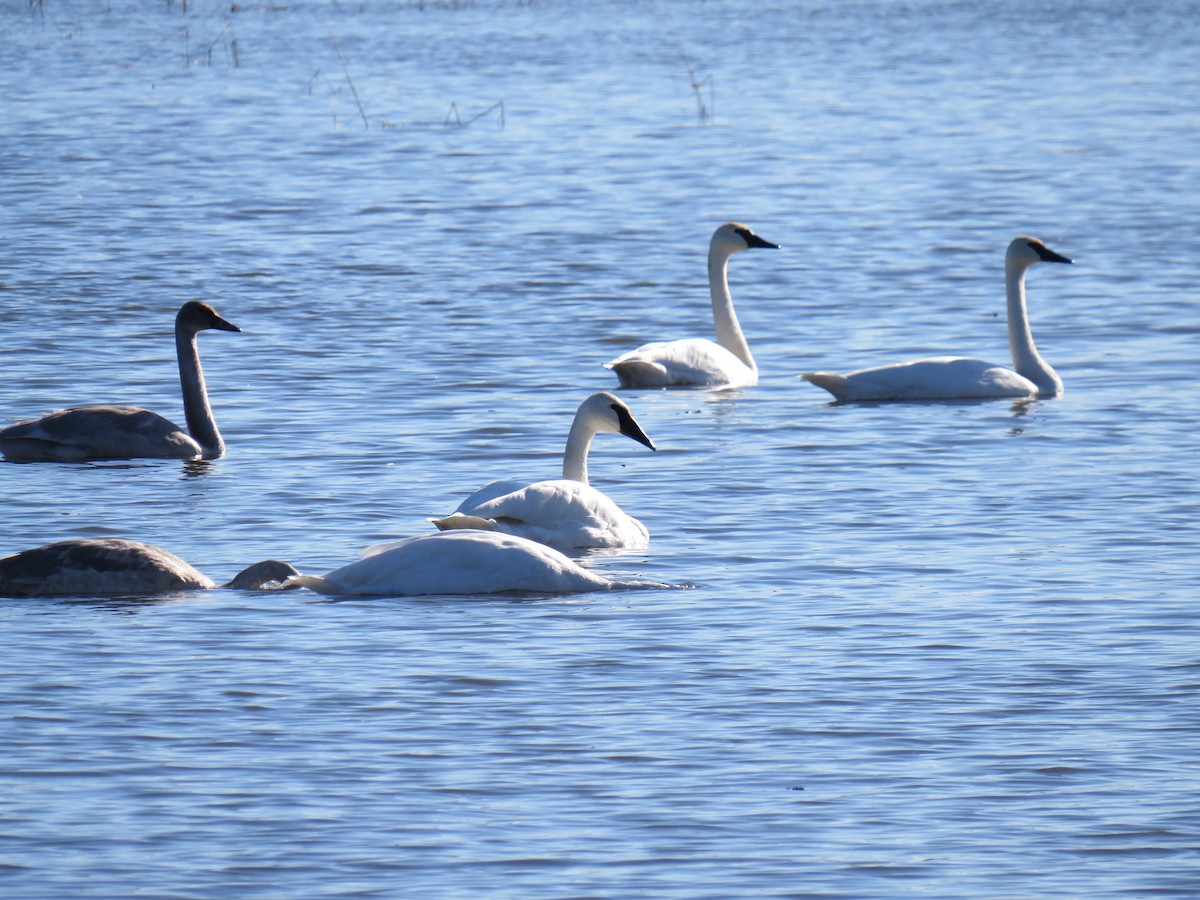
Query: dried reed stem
x,y
350,81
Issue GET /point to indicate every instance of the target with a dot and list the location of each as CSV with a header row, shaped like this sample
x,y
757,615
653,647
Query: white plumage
x,y
699,361
956,377
566,513
459,562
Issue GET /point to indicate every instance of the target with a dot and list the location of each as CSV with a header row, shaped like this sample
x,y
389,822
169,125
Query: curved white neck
x,y
1026,359
579,441
196,410
729,332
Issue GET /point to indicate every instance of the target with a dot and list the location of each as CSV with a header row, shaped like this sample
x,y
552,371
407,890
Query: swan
x,y
126,432
698,361
100,566
956,377
566,513
460,562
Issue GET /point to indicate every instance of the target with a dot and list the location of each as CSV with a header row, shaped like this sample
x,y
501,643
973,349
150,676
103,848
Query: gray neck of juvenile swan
x,y
1026,359
729,332
199,416
579,440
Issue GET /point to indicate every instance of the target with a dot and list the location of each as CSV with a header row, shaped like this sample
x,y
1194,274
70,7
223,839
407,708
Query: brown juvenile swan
x,y
114,566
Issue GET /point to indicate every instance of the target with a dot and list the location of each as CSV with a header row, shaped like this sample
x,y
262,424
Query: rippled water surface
x,y
936,649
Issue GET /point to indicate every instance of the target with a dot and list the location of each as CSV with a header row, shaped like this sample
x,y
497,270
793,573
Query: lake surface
x,y
936,649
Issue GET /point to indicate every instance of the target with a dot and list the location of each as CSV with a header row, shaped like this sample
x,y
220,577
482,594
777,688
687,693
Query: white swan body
x,y
559,513
126,432
700,362
566,513
956,377
459,562
935,378
113,566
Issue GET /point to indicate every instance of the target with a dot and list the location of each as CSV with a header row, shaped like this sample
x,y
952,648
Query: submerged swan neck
x,y
579,441
729,332
196,410
1025,357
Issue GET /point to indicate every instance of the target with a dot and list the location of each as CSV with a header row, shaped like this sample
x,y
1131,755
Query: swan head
x,y
195,316
608,413
1025,251
266,575
734,237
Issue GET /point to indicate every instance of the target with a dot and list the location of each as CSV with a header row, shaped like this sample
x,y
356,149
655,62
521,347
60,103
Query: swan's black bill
x,y
630,428
753,240
199,316
1048,255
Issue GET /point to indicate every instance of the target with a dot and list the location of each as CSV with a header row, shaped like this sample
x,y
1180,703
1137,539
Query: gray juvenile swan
x,y
114,566
699,362
958,377
127,432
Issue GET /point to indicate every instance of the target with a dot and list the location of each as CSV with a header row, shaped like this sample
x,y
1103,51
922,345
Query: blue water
x,y
937,650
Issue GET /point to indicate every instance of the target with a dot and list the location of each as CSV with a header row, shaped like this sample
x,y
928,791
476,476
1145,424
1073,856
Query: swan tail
x,y
638,372
462,520
838,385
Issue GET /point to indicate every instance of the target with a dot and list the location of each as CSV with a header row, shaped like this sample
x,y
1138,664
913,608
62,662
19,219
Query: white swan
x,y
126,432
110,566
566,513
699,361
460,562
955,377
